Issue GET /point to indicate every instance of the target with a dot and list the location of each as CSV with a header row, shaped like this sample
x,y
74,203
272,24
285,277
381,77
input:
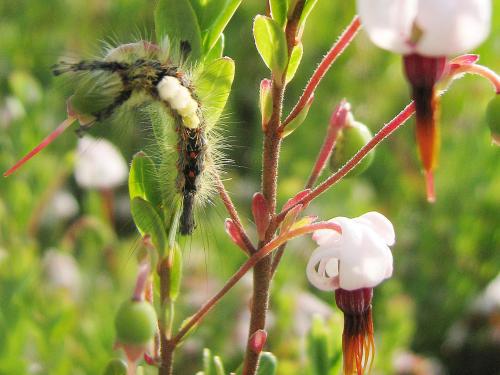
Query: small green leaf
x,y
177,20
308,7
271,43
213,86
317,347
142,180
219,366
293,64
149,222
217,50
268,364
279,10
217,26
175,272
207,361
298,120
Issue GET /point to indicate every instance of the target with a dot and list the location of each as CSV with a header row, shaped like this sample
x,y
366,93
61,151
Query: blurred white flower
x,y
357,258
426,27
62,207
99,164
62,272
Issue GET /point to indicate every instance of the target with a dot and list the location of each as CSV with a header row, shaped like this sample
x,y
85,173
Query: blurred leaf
x,y
142,181
25,87
268,364
175,272
317,347
177,20
271,43
219,366
214,85
149,222
294,62
207,362
217,50
279,10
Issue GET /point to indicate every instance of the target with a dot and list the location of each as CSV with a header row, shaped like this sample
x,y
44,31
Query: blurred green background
x,y
429,318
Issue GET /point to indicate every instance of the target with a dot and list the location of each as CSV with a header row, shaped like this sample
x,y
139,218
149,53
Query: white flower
x,y
426,27
359,257
99,165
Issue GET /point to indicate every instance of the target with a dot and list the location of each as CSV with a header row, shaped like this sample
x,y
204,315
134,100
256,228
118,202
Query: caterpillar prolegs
x,y
142,74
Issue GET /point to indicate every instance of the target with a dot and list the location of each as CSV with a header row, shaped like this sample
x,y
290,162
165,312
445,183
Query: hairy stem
x,y
325,64
388,129
231,209
167,347
249,264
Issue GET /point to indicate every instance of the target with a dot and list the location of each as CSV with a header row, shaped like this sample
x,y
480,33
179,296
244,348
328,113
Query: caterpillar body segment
x,y
183,104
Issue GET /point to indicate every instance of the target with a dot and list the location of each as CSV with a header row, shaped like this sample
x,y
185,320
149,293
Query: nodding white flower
x,y
426,27
359,257
99,164
351,264
426,32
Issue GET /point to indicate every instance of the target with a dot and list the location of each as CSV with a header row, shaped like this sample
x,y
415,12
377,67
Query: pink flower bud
x,y
258,340
233,232
261,214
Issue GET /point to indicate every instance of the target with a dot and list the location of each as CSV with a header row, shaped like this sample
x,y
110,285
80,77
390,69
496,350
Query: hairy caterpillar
x,y
188,100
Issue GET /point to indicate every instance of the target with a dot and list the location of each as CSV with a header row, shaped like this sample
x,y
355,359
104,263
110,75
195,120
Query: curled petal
x,y
451,27
380,224
318,277
389,22
326,237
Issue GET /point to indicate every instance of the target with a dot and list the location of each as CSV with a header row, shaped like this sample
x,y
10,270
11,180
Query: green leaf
x,y
308,7
279,10
219,366
268,364
271,43
293,64
142,180
217,50
177,20
298,120
218,25
207,361
213,17
213,86
317,347
149,222
175,272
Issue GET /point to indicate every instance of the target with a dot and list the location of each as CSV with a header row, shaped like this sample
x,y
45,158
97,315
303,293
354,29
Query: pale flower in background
x,y
426,27
99,164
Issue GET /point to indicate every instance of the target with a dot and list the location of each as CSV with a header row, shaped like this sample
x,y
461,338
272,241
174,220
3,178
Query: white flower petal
x,y
380,224
389,23
318,277
357,258
451,27
326,237
99,165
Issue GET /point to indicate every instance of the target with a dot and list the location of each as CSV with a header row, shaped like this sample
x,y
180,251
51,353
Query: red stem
x,y
255,258
389,128
46,141
231,209
325,64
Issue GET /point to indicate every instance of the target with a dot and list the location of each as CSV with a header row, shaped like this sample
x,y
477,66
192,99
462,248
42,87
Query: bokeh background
x,y
65,267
